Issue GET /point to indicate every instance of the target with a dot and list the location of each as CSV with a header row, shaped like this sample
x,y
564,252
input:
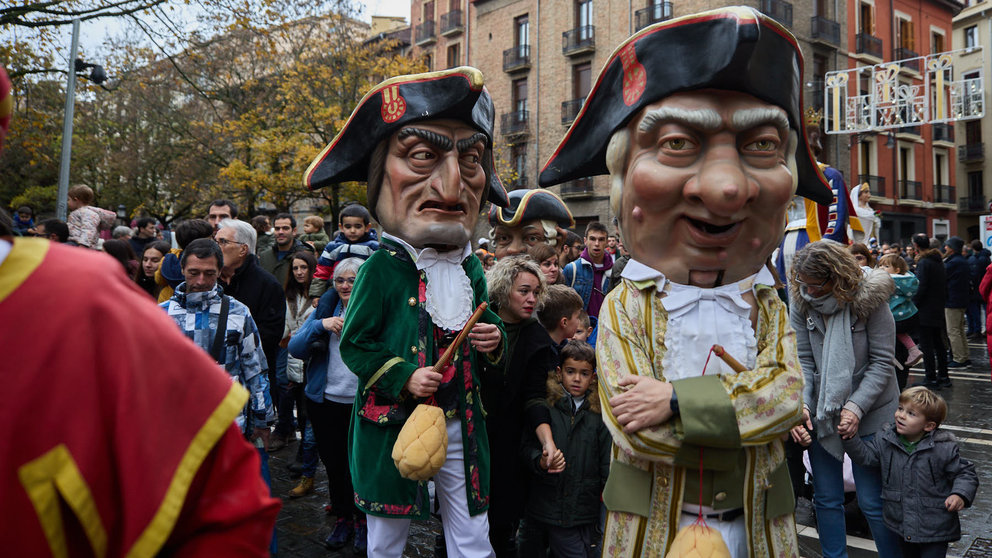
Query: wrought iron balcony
x,y
515,123
825,30
779,10
578,40
910,190
570,109
875,183
452,23
654,13
903,54
868,44
578,188
942,193
516,58
971,152
943,132
972,204
425,33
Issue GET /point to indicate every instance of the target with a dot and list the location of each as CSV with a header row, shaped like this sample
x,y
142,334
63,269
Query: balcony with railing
x,y
578,40
452,23
516,58
868,44
779,10
578,188
825,30
875,183
972,204
425,33
910,190
904,55
943,132
654,13
971,152
570,109
515,123
942,193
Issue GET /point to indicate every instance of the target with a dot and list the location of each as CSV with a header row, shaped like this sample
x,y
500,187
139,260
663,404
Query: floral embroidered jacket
x,y
729,424
387,335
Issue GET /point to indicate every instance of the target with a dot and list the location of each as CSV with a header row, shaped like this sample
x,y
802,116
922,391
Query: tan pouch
x,y
422,445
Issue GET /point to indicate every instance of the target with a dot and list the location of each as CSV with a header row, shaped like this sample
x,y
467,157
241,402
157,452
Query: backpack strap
x,y
217,348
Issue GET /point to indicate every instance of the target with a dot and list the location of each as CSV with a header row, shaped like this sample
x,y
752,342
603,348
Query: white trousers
x,y
734,532
466,536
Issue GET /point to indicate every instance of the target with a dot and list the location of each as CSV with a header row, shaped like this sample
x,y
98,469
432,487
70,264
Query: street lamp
x,y
98,76
122,214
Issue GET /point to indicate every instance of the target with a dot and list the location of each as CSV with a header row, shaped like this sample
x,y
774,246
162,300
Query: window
x,y
453,56
583,18
973,132
936,42
866,18
520,95
581,80
820,8
518,158
454,5
907,169
971,36
429,11
819,73
940,168
905,38
521,30
429,62
975,185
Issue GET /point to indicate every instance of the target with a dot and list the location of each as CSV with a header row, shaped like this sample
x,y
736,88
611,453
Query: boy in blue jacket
x,y
356,239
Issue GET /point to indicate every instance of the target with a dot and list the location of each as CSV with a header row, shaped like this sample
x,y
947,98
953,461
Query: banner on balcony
x,y
932,89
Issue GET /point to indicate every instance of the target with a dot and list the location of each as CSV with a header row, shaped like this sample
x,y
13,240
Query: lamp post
x,y
122,214
97,76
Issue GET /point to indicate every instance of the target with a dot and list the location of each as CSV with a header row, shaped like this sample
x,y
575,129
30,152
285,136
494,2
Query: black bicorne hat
x,y
736,49
458,94
527,205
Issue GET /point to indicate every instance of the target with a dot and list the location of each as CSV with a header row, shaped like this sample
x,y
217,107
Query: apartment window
x,y
907,169
971,36
936,42
975,185
581,80
521,30
866,156
520,95
583,18
819,72
454,5
820,8
940,168
905,37
518,158
429,62
453,56
429,11
866,18
973,132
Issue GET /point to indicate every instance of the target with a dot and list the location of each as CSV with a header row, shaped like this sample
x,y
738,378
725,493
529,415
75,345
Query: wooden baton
x,y
450,351
725,357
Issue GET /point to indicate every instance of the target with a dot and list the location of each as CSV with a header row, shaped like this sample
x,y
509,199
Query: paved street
x,y
303,524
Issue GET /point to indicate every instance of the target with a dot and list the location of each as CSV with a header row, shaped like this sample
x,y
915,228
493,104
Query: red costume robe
x,y
119,435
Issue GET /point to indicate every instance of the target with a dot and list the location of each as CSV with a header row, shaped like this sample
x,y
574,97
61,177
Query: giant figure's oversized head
x,y
699,122
423,143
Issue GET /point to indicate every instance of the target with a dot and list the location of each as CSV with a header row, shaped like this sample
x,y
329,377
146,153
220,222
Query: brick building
x,y
910,169
540,57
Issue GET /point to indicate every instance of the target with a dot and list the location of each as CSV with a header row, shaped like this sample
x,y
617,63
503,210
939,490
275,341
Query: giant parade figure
x,y
424,145
698,121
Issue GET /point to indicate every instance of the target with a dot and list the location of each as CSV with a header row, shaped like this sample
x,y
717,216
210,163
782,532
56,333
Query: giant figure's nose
x,y
722,183
447,179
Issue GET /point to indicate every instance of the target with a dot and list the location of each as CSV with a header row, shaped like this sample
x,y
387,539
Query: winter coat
x,y
874,388
958,281
915,485
581,276
901,302
280,268
978,262
318,239
930,297
572,497
264,296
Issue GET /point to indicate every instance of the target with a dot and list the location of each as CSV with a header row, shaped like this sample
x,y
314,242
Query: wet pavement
x,y
303,524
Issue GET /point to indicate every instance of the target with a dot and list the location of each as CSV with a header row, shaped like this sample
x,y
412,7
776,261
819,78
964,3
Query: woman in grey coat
x,y
845,337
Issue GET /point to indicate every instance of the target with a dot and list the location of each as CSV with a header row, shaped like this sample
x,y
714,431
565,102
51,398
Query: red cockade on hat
x,y
634,75
393,104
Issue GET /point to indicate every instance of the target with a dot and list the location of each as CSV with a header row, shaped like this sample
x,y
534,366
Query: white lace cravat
x,y
449,295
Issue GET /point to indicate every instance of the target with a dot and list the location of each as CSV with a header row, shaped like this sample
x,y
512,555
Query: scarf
x,y
836,370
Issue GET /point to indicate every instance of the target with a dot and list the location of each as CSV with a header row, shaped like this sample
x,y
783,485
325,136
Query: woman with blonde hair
x,y
845,337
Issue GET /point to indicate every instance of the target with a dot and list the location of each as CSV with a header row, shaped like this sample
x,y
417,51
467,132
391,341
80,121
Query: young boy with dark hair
x,y
356,239
560,313
920,464
563,509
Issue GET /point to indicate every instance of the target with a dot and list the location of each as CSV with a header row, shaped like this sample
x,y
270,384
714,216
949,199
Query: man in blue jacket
x,y
590,274
958,290
978,261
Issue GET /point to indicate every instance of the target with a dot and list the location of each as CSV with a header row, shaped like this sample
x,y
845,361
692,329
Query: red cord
x,y
702,519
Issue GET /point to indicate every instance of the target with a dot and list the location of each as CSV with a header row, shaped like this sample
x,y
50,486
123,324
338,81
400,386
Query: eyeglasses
x,y
343,280
819,285
225,242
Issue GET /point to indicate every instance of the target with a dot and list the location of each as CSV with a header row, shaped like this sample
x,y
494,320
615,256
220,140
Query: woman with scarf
x,y
870,222
845,337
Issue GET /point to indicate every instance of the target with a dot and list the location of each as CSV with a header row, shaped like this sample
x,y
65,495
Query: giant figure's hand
x,y
645,403
484,337
423,382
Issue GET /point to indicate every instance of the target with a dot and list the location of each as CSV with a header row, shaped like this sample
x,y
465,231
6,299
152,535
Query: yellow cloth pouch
x,y
422,445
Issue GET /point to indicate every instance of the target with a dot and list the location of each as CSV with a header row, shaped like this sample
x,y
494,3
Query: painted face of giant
x,y
708,179
433,183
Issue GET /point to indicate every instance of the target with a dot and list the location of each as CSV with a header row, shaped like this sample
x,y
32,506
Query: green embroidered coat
x,y
387,335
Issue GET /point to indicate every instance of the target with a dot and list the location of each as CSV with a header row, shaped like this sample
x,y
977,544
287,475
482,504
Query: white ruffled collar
x,y
449,295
